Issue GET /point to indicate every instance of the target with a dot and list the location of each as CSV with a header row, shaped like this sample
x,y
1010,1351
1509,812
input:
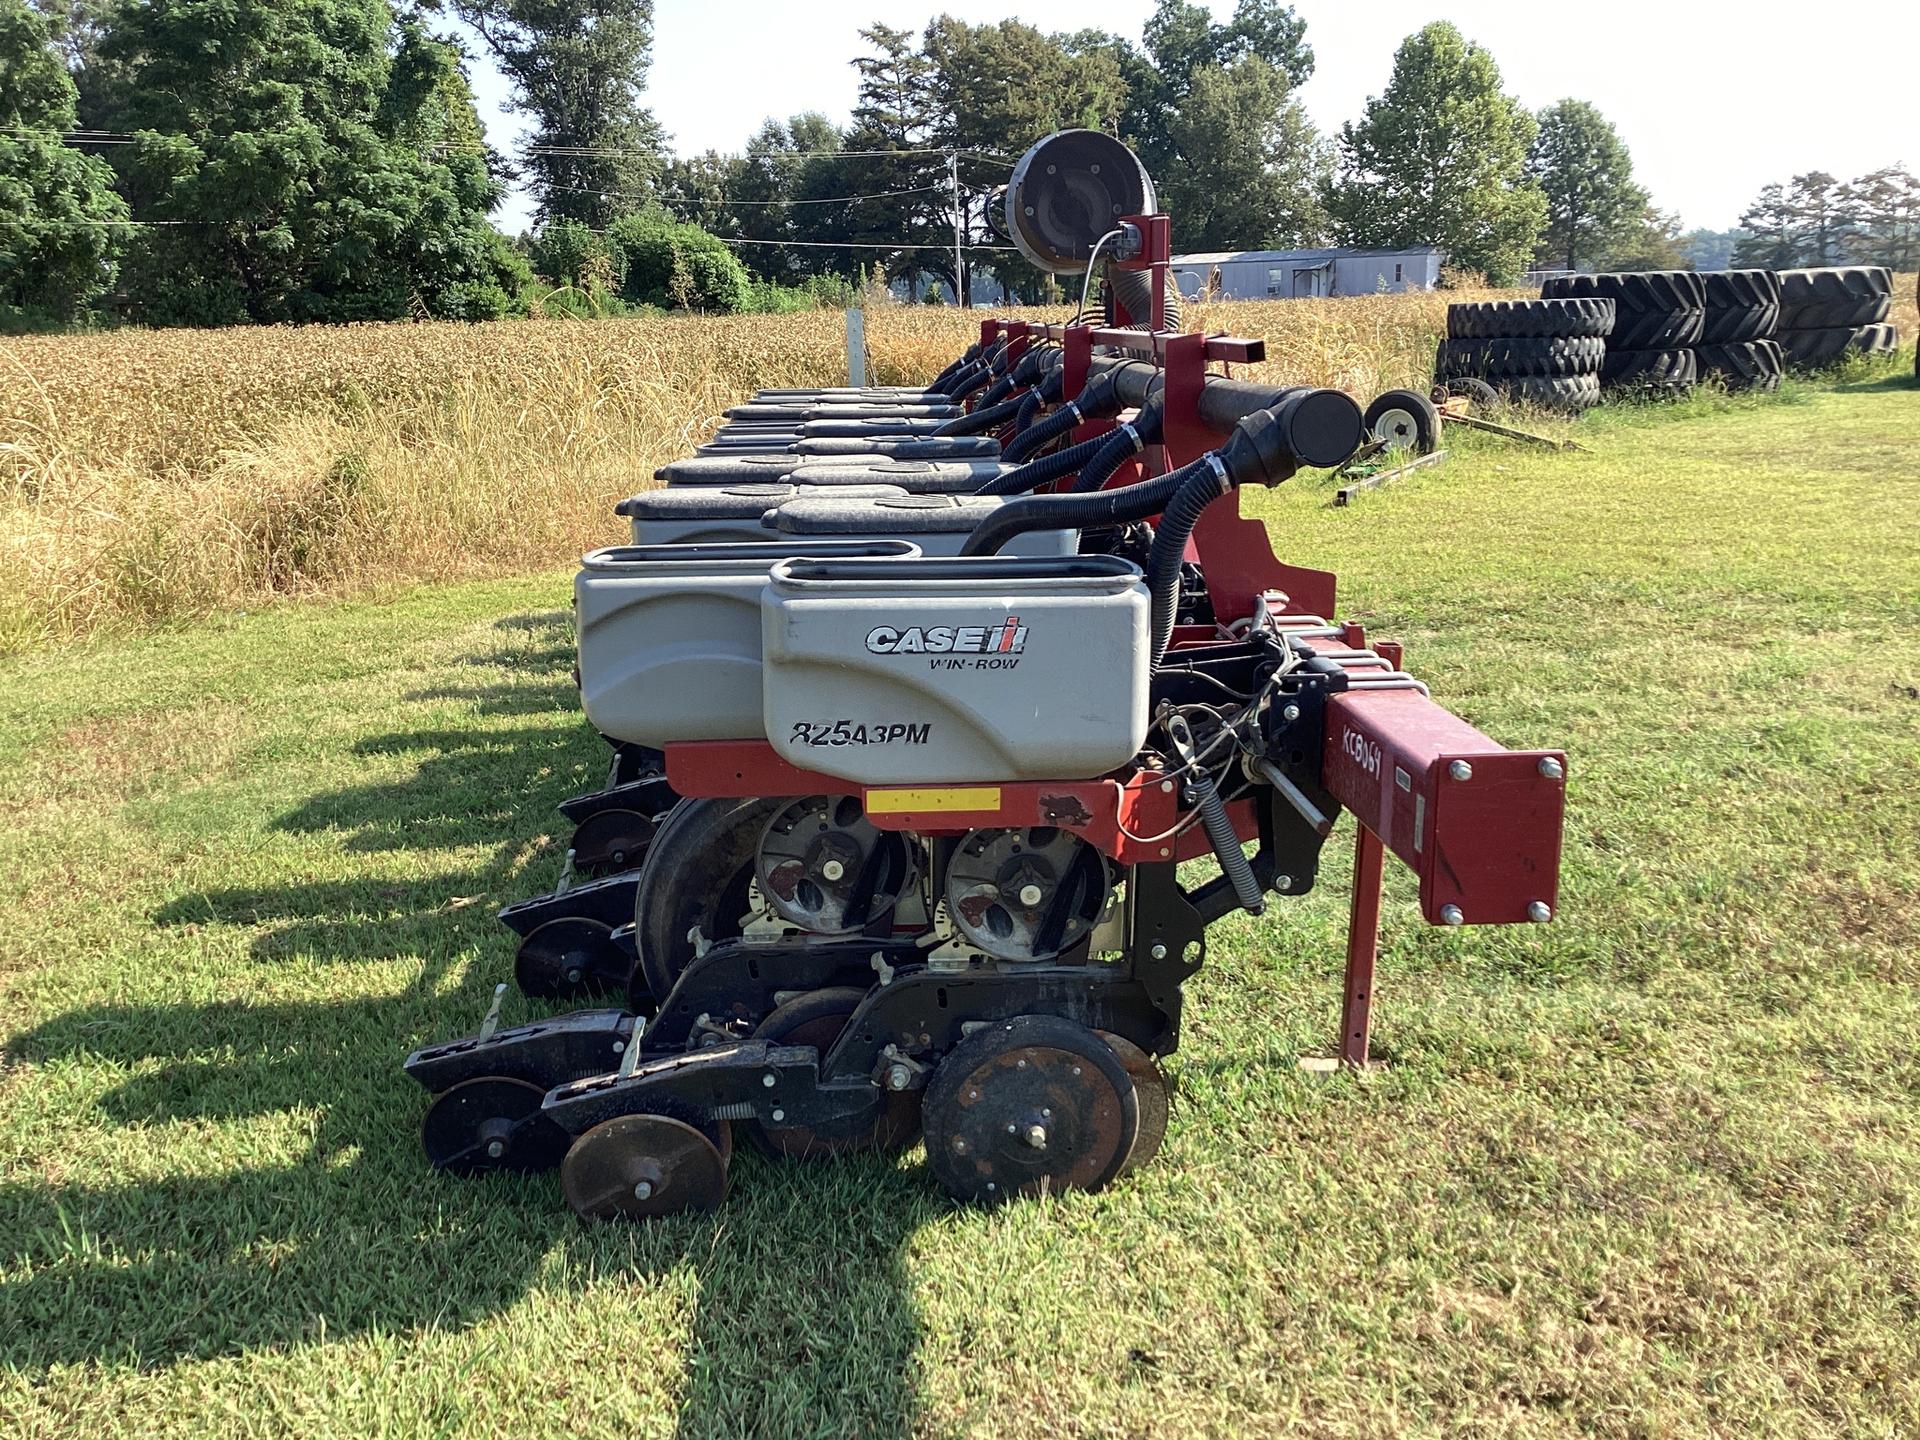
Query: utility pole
x,y
960,295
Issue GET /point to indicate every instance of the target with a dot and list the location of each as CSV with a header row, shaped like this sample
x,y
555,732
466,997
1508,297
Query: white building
x,y
1298,274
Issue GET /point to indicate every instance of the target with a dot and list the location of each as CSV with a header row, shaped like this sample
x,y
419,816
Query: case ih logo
x,y
1007,638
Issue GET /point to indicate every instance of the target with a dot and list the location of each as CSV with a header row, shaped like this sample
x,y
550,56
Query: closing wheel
x,y
638,1166
610,841
1028,1106
1404,420
817,1019
491,1123
1150,1090
569,959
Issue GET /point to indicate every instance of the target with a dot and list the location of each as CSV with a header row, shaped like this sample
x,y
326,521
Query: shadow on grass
x,y
804,1319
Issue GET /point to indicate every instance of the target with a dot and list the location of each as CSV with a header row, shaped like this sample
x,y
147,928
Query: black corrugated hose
x,y
1204,793
967,357
1075,512
986,418
1207,481
1117,447
1036,473
1032,440
1029,408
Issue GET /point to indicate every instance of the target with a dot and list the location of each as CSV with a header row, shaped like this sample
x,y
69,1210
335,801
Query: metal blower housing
x,y
1069,190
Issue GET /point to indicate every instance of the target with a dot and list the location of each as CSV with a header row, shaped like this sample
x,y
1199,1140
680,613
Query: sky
x,y
1714,100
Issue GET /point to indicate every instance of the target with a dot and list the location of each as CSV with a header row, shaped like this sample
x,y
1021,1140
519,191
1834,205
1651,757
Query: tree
x,y
1652,243
1440,159
1709,249
1249,164
1803,223
1883,219
308,160
580,67
1181,39
1582,168
60,222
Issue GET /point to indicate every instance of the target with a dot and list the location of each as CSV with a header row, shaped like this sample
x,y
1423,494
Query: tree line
x,y
197,162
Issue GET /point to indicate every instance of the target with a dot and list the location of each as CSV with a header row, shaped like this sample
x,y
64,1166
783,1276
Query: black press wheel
x,y
491,1123
1404,420
1028,1106
635,1167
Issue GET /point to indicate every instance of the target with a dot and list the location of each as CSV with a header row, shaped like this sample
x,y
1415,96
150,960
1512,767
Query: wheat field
x,y
152,476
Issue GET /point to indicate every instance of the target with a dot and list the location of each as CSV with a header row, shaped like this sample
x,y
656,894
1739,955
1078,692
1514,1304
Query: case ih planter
x,y
928,881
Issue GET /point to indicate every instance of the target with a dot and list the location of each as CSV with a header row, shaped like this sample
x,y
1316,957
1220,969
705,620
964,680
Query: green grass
x,y
1648,1171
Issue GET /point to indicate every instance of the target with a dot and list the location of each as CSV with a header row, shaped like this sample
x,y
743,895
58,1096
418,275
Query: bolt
x,y
1451,915
643,1191
1539,912
1291,713
769,1080
1013,1129
618,1046
1037,1136
1019,1064
1166,787
495,1149
573,975
1460,770
1031,895
1046,1114
1159,951
1282,884
1552,768
778,1114
899,1077
833,870
959,1144
1165,852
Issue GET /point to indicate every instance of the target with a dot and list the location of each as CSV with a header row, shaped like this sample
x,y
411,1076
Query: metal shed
x,y
1299,274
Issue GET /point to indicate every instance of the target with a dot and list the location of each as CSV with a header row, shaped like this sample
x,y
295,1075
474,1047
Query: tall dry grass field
x,y
148,476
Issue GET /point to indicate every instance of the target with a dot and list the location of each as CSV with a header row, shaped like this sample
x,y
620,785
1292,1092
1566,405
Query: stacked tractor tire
x,y
1546,352
1828,314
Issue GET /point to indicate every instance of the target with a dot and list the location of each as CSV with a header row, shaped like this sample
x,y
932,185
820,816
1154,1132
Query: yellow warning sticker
x,y
915,802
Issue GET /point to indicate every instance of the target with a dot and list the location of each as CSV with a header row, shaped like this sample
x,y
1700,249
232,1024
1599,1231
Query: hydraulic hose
x,y
1029,408
1084,512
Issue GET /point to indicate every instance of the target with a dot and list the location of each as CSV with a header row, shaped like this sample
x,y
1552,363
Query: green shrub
x,y
676,266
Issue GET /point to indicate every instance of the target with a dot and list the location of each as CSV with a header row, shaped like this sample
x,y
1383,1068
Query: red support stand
x,y
1363,948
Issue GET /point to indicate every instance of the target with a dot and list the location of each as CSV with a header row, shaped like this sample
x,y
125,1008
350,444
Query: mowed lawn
x,y
1651,1170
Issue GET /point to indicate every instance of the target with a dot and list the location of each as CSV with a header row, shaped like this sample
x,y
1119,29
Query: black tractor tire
x,y
1476,392
1649,369
1751,322
1743,365
1406,420
1835,296
1500,358
1740,289
1544,319
1571,393
1653,309
1817,349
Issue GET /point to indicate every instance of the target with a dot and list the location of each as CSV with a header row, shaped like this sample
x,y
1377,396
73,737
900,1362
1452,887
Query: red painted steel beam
x,y
1478,824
